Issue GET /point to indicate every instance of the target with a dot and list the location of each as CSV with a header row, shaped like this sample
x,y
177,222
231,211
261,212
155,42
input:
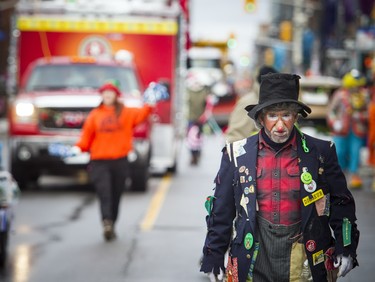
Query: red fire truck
x,y
53,40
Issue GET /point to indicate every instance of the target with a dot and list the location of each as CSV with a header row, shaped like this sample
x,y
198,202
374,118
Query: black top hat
x,y
265,70
277,88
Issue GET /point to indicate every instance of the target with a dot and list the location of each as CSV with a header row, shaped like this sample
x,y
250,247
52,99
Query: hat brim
x,y
253,110
109,86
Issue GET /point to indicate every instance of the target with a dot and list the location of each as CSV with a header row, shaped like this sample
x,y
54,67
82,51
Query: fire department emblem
x,y
94,46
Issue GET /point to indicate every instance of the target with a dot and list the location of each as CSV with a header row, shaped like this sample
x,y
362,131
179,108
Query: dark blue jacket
x,y
322,164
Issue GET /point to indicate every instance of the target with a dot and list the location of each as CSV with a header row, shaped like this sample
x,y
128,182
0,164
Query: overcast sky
x,y
217,19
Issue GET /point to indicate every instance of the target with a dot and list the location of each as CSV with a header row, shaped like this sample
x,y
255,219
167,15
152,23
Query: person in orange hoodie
x,y
107,135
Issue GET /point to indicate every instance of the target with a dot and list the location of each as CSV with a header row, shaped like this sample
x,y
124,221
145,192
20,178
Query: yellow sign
x,y
313,197
167,27
286,31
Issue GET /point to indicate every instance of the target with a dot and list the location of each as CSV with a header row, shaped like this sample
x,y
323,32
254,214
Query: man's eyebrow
x,y
281,112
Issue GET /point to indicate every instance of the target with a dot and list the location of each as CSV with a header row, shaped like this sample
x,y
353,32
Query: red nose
x,y
279,128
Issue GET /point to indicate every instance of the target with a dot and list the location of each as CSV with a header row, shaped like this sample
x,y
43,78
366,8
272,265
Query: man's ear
x,y
260,120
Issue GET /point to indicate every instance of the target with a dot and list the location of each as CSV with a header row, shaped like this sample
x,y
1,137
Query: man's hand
x,y
216,277
345,264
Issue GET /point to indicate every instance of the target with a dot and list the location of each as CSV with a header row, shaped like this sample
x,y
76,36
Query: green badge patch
x,y
209,204
346,232
248,241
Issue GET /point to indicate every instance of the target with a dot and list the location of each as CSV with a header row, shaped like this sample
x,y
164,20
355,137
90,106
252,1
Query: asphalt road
x,y
57,233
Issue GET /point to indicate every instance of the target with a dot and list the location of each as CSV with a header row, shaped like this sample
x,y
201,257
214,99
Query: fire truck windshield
x,y
64,76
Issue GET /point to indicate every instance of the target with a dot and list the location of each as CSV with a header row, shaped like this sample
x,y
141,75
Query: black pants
x,y
108,177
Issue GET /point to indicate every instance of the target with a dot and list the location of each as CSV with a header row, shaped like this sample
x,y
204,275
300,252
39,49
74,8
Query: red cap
x,y
109,86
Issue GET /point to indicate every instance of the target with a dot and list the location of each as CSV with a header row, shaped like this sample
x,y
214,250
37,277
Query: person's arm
x,y
87,134
210,102
220,219
342,209
333,112
154,93
142,114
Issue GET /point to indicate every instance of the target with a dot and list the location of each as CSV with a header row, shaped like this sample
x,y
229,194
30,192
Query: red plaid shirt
x,y
278,183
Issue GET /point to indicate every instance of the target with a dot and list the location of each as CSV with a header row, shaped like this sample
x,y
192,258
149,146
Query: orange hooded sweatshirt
x,y
107,136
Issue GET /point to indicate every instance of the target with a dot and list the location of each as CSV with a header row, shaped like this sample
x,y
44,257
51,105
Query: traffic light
x,y
232,41
250,5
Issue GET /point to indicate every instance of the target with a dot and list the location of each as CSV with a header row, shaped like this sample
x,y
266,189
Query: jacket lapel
x,y
246,165
308,163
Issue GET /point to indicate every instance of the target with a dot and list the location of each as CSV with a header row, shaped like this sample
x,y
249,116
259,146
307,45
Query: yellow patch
x,y
318,257
313,197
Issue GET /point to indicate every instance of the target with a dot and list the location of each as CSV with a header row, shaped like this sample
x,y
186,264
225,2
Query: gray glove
x,y
345,264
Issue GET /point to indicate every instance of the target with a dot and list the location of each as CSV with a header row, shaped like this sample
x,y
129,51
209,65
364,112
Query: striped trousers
x,y
281,254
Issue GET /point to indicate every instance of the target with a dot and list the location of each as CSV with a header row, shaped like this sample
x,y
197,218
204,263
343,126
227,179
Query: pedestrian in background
x,y
107,135
239,126
200,103
347,118
281,206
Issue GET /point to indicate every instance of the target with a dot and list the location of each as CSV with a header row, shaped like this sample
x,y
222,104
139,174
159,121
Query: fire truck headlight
x,y
25,109
24,153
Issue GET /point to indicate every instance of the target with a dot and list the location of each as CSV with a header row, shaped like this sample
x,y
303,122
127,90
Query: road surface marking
x,y
156,204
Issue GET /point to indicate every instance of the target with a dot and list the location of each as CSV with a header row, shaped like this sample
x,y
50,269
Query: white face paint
x,y
278,125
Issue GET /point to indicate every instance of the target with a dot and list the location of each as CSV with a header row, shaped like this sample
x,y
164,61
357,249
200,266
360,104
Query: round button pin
x,y
248,241
311,187
310,245
306,177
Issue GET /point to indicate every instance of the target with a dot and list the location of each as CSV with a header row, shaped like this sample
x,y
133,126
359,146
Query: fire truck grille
x,y
62,118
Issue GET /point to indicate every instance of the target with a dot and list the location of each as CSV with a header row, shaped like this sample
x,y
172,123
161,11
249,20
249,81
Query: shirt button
x,y
248,256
